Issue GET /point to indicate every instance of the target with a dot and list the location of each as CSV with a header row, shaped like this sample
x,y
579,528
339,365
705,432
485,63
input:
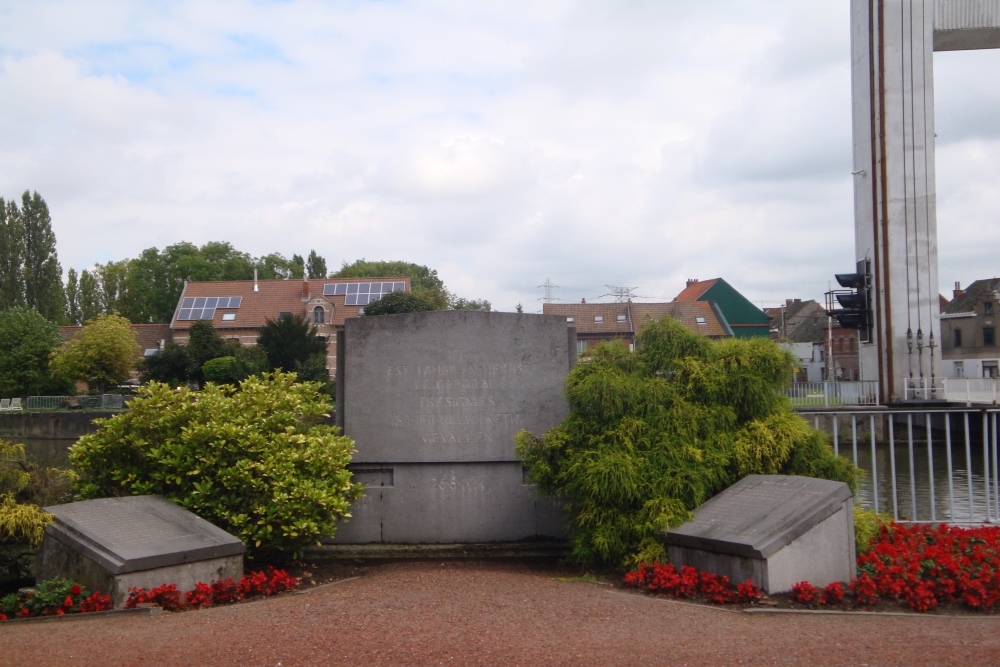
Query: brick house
x,y
803,328
239,308
968,331
599,322
744,318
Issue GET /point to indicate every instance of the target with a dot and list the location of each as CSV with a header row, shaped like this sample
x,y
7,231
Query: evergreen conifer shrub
x,y
653,434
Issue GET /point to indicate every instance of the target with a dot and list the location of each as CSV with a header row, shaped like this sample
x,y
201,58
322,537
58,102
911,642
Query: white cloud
x,y
595,143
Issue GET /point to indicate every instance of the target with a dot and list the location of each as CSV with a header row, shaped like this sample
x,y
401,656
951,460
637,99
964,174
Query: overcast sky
x,y
502,143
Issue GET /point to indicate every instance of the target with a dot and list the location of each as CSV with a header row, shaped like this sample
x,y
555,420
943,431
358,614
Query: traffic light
x,y
855,303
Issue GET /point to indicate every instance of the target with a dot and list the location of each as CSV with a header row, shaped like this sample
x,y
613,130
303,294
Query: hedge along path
x,y
655,433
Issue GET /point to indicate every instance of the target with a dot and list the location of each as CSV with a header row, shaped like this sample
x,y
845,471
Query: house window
x,y
581,346
850,344
598,318
571,319
957,335
318,315
228,317
699,320
284,313
988,308
989,336
621,318
840,344
960,369
990,369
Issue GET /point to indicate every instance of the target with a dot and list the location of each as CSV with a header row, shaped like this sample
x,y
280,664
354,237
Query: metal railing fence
x,y
922,466
954,390
103,401
827,394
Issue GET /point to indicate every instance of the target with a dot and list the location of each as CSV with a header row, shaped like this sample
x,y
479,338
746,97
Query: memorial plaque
x,y
451,385
113,544
774,529
436,399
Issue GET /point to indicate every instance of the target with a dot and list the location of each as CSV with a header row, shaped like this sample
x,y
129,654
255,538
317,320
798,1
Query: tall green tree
x,y
297,266
102,355
204,344
72,297
170,365
11,253
43,288
88,299
315,265
27,341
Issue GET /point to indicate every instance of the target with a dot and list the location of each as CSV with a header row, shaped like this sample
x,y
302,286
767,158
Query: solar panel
x,y
204,307
360,294
329,290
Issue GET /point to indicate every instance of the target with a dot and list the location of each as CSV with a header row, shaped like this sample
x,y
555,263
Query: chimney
x,y
691,281
788,302
958,290
584,300
255,287
305,287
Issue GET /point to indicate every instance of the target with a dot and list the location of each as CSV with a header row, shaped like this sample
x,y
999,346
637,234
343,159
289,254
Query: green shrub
x,y
867,525
24,489
221,370
256,462
653,434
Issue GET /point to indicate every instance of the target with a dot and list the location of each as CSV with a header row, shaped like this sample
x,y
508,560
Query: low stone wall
x,y
58,425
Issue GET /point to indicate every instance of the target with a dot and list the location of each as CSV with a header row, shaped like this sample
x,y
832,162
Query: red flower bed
x,y
688,582
223,591
920,566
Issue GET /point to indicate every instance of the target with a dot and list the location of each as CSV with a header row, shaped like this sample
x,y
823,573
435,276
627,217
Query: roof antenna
x,y
255,287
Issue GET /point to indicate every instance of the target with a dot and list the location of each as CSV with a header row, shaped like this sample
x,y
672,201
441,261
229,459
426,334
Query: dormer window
x,y
571,319
598,318
699,320
988,308
318,315
621,318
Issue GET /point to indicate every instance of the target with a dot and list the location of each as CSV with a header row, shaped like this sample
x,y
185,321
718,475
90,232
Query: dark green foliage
x,y
653,434
258,462
221,370
288,341
27,341
170,365
204,344
395,303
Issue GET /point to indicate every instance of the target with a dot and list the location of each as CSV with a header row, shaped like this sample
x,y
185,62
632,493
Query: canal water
x,y
951,501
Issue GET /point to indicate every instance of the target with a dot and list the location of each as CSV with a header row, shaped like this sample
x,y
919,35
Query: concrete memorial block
x,y
774,529
433,402
113,544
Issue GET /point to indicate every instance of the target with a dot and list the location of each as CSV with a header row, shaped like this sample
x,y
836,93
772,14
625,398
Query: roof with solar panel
x,y
235,304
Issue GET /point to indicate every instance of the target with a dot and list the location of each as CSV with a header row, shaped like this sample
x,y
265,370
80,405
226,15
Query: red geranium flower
x,y
75,589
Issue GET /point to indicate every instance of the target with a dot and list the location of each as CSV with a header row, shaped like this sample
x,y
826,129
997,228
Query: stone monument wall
x,y
433,402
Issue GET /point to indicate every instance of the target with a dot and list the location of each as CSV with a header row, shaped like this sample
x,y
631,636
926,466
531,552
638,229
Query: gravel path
x,y
494,613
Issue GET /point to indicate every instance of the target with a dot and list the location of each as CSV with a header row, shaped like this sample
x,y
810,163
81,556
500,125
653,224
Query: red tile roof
x,y
585,316
272,298
695,289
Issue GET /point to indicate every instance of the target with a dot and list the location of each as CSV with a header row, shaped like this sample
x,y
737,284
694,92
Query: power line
x,y
621,294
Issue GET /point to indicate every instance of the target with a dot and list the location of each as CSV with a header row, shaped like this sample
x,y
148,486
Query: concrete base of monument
x,y
774,530
61,560
527,549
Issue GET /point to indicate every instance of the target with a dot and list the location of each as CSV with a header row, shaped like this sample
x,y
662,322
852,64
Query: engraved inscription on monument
x,y
451,386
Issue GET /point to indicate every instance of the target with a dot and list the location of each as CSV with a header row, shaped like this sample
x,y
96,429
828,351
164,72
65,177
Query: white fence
x,y
102,402
826,394
922,466
954,390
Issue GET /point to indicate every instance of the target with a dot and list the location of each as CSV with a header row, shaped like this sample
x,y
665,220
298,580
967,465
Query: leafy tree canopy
x,y
170,365
399,302
653,434
258,462
102,355
27,341
472,304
